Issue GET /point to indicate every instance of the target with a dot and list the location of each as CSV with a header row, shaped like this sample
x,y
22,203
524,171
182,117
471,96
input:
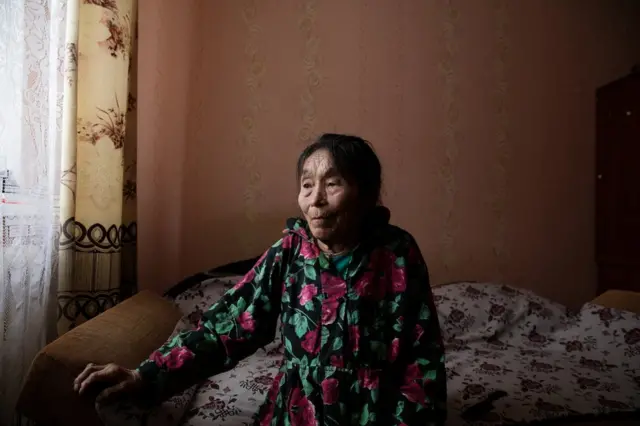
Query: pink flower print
x,y
262,258
307,293
329,311
368,379
398,279
275,386
412,373
394,349
354,338
229,343
267,414
246,322
300,232
414,393
363,286
337,361
266,411
329,391
287,283
418,331
286,242
396,276
247,278
309,250
177,357
157,357
310,342
334,287
387,258
301,410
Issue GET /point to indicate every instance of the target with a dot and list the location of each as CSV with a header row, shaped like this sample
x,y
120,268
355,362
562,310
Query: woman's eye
x,y
307,185
331,184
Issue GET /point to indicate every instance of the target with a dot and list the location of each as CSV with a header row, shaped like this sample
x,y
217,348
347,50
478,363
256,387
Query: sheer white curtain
x,y
31,85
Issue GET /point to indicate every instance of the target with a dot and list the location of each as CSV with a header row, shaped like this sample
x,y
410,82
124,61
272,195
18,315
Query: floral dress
x,y
361,335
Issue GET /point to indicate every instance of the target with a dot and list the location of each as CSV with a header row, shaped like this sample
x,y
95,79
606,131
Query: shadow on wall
x,y
227,245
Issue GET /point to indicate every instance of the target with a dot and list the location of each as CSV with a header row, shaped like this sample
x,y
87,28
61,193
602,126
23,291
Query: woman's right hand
x,y
119,381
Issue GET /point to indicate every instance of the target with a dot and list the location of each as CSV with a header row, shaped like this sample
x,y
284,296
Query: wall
x,y
481,111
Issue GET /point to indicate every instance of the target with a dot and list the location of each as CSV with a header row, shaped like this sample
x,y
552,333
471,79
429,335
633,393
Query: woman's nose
x,y
318,197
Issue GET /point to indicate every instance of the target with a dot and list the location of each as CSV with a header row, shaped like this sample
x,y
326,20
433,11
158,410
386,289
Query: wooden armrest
x,y
619,299
125,334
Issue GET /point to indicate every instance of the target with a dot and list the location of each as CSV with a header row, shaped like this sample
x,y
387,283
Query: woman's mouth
x,y
321,219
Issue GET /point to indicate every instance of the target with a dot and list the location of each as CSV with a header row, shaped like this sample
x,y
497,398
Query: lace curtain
x,y
67,172
31,87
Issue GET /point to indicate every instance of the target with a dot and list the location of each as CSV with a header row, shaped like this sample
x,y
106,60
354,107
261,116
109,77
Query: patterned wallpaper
x,y
482,114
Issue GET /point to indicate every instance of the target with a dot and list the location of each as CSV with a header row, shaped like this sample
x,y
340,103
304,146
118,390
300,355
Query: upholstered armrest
x,y
619,299
125,334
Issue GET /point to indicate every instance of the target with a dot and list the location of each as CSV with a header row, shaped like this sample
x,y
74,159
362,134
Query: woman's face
x,y
328,202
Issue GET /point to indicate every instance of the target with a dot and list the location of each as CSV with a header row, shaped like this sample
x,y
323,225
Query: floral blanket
x,y
512,357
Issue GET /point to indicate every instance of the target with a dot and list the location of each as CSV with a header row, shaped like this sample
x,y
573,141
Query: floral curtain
x,y
97,197
67,172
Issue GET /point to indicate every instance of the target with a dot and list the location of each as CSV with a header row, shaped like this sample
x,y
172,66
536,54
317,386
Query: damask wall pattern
x,y
482,114
313,76
501,57
250,135
450,134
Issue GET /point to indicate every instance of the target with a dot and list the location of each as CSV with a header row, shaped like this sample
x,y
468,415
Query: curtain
x,y
97,197
67,172
31,85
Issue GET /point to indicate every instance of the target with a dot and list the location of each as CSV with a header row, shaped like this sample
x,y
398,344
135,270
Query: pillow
x,y
201,295
479,310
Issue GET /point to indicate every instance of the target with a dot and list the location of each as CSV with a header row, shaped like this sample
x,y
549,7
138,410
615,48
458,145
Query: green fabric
x,y
362,342
341,263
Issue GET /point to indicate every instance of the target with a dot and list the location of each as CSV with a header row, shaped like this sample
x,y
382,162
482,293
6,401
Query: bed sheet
x,y
550,362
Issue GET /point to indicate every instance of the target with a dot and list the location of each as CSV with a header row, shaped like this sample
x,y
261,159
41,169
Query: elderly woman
x,y
361,336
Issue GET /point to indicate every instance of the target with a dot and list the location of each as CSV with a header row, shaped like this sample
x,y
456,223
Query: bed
x,y
513,357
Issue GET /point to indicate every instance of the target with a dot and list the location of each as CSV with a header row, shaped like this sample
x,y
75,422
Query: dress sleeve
x,y
243,320
421,394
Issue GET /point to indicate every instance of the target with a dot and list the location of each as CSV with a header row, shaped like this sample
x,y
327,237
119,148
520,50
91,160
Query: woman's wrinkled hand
x,y
118,380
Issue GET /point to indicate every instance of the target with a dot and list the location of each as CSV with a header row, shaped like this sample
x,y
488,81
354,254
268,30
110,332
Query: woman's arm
x,y
242,321
421,397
